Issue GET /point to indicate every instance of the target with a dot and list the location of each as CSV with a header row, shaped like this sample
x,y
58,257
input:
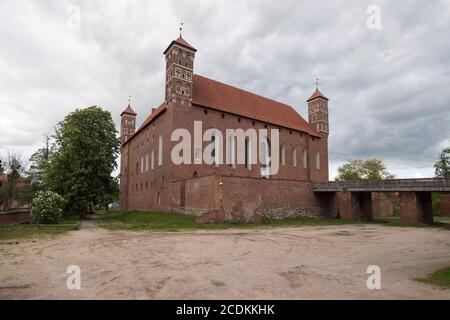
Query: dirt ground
x,y
287,263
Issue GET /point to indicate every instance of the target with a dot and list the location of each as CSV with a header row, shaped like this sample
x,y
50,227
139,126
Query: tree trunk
x,y
83,213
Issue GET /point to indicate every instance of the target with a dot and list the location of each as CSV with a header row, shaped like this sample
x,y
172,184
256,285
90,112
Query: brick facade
x,y
150,181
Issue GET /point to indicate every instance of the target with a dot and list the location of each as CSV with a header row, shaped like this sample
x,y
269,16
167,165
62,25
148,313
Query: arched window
x,y
318,160
213,151
152,160
160,151
305,158
264,154
282,155
247,153
294,156
137,167
231,151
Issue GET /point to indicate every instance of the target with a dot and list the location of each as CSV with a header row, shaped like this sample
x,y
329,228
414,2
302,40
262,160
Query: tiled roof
x,y
181,42
219,96
317,94
216,95
128,110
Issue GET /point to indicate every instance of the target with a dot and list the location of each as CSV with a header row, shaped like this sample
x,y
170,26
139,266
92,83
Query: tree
x,y
372,169
39,161
11,189
442,166
2,168
83,158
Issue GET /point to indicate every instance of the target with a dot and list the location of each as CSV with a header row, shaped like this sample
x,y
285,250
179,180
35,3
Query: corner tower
x,y
318,112
180,56
127,123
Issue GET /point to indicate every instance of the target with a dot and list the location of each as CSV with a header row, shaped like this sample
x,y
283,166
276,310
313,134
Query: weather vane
x,y
317,83
129,99
181,27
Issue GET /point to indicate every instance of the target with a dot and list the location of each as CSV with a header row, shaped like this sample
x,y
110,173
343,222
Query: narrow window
x,y
282,155
231,151
247,153
142,164
213,151
160,151
152,160
305,158
294,156
318,160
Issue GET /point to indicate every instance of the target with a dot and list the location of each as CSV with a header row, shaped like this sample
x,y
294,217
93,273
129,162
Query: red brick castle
x,y
150,180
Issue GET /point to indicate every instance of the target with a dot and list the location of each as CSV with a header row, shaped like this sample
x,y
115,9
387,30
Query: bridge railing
x,y
423,184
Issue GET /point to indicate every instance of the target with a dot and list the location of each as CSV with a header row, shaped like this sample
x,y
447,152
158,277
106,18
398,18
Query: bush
x,y
47,207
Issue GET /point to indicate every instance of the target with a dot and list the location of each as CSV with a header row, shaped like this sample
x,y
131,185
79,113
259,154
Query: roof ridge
x,y
246,91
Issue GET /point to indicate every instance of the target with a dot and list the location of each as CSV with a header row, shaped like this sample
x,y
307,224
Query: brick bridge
x,y
354,198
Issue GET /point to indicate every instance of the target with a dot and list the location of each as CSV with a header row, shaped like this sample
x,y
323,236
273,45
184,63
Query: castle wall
x,y
216,198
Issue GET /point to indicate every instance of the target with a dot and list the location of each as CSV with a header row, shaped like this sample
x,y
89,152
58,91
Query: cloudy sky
x,y
389,86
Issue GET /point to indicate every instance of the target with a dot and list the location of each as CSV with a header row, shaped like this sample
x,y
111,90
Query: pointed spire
x,y
180,41
128,109
317,93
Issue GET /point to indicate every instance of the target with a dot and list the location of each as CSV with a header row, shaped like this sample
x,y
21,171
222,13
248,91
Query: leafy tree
x,y
372,169
82,160
442,166
39,162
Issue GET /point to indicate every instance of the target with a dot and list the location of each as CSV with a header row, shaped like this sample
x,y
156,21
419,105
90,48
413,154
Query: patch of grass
x,y
394,221
38,230
164,221
439,278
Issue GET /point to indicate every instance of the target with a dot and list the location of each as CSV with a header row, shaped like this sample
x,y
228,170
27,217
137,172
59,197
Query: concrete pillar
x,y
356,206
416,207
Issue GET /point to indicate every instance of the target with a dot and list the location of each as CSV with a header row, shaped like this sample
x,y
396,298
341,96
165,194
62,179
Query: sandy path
x,y
288,263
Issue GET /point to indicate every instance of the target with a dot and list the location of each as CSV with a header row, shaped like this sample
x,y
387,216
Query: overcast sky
x,y
389,87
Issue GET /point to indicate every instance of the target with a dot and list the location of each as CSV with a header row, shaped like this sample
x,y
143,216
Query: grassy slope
x,y
438,278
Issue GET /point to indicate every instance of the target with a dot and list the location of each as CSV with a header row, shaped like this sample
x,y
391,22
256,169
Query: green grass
x,y
163,221
34,231
439,278
394,221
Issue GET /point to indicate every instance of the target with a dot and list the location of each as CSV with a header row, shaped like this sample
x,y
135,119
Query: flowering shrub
x,y
47,207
